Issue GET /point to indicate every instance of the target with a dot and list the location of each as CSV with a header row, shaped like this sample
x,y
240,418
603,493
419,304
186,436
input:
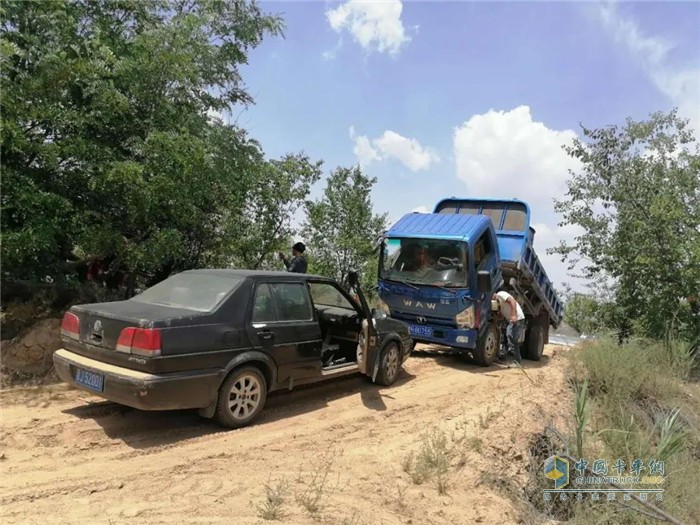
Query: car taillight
x,y
139,341
70,325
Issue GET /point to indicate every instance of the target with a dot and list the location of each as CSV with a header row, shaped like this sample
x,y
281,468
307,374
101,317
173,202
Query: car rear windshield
x,y
192,291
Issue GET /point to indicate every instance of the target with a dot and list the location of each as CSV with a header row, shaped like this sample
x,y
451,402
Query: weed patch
x,y
637,405
317,485
272,506
432,460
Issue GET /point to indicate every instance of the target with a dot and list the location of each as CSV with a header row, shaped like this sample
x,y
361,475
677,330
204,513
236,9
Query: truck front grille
x,y
431,320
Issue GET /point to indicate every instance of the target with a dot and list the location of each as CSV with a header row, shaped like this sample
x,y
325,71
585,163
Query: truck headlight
x,y
466,318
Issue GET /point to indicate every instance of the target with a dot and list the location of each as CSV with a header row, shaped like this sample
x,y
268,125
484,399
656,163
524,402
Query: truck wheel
x,y
487,346
241,397
389,364
534,344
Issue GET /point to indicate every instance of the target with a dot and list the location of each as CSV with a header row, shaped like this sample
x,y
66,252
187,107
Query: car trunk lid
x,y
101,324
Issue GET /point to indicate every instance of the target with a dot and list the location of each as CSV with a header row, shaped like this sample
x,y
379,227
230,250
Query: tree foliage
x,y
341,227
588,314
109,149
637,199
278,193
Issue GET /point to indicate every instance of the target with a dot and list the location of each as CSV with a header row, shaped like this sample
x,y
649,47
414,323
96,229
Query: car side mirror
x,y
378,314
483,281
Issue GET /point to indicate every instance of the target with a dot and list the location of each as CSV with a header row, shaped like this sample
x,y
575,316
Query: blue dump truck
x,y
438,272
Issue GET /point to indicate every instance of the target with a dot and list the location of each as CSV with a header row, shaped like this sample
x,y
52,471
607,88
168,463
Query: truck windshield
x,y
425,261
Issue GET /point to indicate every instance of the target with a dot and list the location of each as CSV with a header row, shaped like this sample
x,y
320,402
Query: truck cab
x,y
438,272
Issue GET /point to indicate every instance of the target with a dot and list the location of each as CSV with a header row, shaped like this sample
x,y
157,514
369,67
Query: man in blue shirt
x,y
298,264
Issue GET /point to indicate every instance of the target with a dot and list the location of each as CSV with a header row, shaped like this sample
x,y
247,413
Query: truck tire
x,y
534,343
241,397
487,346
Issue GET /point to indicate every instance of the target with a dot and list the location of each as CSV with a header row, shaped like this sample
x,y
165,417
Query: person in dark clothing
x,y
298,263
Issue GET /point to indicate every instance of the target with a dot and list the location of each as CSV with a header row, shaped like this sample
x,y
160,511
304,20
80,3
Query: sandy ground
x,y
69,457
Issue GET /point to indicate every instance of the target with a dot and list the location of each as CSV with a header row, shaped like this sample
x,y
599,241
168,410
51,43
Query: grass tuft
x,y
316,485
432,460
272,506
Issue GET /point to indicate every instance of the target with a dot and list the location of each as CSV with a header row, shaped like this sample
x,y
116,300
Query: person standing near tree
x,y
513,313
298,264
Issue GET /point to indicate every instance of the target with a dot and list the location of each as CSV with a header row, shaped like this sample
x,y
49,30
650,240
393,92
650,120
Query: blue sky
x,y
466,98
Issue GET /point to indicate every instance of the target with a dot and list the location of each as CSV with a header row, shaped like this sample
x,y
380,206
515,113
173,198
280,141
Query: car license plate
x,y
88,379
424,331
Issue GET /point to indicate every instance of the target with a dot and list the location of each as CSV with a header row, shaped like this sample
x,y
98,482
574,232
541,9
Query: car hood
x,y
388,325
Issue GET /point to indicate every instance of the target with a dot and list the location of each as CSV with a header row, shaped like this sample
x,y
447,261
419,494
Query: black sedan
x,y
220,340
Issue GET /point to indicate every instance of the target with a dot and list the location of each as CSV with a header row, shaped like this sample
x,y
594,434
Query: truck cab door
x,y
486,260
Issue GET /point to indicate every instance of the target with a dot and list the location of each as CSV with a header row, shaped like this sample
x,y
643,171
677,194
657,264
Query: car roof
x,y
259,274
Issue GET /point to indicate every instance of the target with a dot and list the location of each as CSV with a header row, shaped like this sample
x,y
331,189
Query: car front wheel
x,y
389,364
241,397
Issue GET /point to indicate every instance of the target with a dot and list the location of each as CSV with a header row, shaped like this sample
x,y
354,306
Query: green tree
x,y
341,228
266,227
108,151
637,198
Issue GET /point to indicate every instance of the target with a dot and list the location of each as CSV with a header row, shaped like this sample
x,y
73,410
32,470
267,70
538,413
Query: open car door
x,y
368,352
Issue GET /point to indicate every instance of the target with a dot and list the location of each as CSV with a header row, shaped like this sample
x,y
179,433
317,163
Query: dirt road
x,y
68,457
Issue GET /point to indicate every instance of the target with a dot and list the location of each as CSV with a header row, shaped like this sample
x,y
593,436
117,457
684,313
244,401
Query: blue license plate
x,y
424,331
91,380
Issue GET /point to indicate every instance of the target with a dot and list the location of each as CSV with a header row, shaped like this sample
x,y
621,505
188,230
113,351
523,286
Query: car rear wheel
x,y
241,397
389,364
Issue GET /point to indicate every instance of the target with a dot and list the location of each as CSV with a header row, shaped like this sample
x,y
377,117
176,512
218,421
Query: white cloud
x,y
392,145
421,209
363,149
330,54
508,155
408,151
375,25
680,84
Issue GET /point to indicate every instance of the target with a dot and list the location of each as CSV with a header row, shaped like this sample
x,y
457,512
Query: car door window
x,y
264,306
328,295
292,301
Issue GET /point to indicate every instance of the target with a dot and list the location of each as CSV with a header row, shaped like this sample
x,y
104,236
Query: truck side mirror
x,y
483,281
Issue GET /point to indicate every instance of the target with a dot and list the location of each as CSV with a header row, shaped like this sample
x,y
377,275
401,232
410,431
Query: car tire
x,y
487,346
242,397
534,343
389,364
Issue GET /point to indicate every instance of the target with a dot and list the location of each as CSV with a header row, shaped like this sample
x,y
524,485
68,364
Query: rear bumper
x,y
180,390
452,337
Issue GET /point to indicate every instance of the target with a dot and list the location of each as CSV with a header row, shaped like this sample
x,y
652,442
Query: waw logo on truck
x,y
419,304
